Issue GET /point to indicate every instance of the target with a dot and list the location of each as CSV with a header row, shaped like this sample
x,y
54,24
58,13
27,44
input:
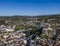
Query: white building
x,y
9,29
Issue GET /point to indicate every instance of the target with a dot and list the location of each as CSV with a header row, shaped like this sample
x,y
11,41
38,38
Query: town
x,y
30,30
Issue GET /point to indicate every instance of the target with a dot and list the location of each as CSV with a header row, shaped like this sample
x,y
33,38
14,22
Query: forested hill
x,y
31,16
40,17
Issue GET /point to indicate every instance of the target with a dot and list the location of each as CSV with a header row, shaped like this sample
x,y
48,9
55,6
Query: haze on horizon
x,y
29,7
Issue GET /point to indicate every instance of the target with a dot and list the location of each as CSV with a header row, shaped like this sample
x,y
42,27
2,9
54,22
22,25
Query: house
x,y
49,31
4,28
1,43
10,27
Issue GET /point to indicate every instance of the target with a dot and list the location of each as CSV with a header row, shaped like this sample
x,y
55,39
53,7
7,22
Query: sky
x,y
29,7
